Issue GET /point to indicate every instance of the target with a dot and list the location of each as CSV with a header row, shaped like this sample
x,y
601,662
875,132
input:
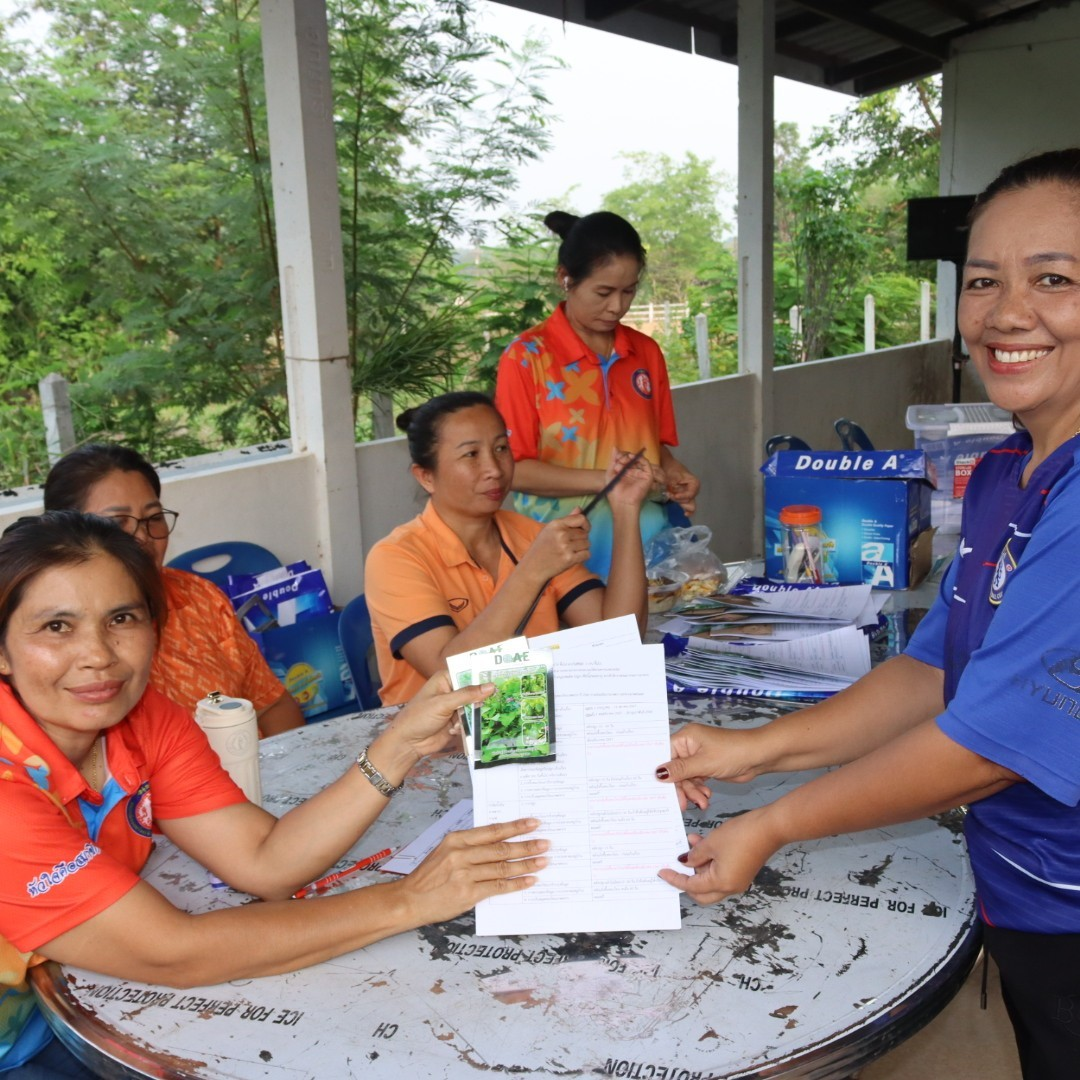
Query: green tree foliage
x,y
894,136
840,219
411,73
514,289
827,248
674,205
138,230
135,143
714,294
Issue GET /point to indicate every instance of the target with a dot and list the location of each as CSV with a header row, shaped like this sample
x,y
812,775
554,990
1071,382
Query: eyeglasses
x,y
157,526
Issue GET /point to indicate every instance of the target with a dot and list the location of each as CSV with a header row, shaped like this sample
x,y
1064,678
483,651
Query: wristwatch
x,y
376,778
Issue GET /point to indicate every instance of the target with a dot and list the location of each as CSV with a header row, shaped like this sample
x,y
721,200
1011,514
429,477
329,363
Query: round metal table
x,y
843,948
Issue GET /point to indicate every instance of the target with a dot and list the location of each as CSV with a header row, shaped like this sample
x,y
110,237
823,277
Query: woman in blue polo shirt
x,y
984,707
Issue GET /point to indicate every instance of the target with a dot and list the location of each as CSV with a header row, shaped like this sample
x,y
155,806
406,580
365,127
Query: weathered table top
x,y
843,948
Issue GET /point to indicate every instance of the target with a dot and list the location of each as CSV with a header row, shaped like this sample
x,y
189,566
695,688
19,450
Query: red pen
x,y
325,883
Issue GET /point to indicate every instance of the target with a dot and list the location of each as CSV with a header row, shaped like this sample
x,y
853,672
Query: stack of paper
x,y
610,823
772,641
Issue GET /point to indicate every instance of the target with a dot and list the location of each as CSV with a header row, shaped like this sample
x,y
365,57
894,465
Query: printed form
x,y
611,824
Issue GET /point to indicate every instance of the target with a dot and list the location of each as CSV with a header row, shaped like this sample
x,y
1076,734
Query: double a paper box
x,y
875,512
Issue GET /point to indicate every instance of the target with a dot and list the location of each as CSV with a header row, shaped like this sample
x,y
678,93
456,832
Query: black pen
x,y
590,505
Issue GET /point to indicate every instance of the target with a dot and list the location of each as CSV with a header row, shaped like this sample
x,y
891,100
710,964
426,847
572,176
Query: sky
x,y
617,95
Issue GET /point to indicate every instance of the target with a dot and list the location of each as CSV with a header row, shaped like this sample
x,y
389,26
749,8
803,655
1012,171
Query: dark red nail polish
x,y
662,773
684,857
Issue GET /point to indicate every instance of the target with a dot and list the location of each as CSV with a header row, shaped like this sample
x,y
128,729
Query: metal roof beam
x,y
1017,14
917,67
598,10
857,15
966,13
883,62
801,23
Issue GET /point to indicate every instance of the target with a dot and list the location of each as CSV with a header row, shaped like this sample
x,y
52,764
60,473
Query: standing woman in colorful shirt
x,y
203,646
983,709
581,385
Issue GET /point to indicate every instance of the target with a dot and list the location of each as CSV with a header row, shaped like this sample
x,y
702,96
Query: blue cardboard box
x,y
308,658
288,613
875,512
279,597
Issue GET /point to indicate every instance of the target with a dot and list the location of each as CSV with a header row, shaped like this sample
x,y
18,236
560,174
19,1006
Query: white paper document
x,y
611,824
458,817
620,631
843,652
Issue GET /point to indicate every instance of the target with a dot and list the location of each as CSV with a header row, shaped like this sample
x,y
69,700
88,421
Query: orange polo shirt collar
x,y
566,344
451,546
60,777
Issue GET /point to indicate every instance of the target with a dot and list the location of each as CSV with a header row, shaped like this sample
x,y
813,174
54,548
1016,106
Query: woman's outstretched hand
x,y
726,861
472,865
559,545
636,484
682,485
428,723
699,753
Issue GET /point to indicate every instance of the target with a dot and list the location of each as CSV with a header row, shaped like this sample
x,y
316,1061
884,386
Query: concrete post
x,y
306,211
56,411
701,337
756,54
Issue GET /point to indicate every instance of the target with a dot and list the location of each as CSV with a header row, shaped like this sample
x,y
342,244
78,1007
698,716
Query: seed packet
x,y
517,723
460,667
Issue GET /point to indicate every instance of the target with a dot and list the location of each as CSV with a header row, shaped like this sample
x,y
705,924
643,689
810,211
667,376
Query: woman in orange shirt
x,y
95,761
203,645
466,573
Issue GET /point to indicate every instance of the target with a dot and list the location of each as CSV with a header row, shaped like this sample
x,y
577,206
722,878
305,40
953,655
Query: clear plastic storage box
x,y
955,437
933,422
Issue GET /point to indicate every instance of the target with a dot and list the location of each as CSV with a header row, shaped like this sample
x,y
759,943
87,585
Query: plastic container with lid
x,y
930,422
806,547
954,438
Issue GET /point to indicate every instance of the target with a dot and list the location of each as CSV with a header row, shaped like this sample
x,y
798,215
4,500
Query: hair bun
x,y
405,419
560,222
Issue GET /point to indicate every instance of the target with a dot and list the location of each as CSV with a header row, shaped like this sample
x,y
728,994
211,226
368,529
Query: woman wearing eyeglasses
x,y
203,645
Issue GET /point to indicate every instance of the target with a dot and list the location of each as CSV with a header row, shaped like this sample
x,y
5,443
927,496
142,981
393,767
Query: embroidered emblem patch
x,y
1006,564
140,816
642,383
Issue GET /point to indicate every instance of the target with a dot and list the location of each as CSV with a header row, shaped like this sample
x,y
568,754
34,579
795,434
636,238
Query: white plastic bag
x,y
680,567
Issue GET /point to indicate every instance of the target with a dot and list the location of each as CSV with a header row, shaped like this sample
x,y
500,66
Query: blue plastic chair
x,y
358,643
852,436
785,442
217,561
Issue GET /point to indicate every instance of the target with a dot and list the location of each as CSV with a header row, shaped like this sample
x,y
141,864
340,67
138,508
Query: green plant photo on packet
x,y
517,723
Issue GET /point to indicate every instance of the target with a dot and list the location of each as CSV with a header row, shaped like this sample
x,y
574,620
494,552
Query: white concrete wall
x,y
265,494
1006,93
874,390
714,432
246,495
714,421
1009,92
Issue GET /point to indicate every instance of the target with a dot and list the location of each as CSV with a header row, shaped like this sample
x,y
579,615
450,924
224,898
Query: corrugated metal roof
x,y
856,46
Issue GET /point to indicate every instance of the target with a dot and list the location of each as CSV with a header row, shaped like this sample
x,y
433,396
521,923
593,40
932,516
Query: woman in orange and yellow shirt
x,y
581,385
